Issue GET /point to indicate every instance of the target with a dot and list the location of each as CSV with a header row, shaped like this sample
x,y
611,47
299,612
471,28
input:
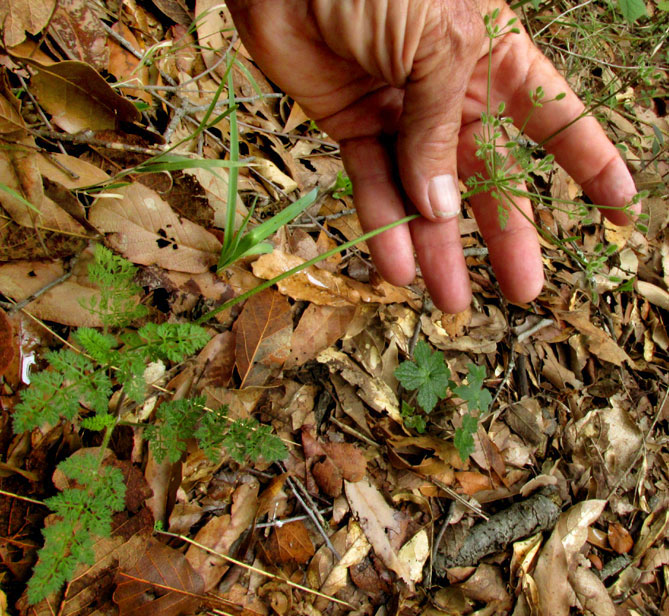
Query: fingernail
x,y
444,196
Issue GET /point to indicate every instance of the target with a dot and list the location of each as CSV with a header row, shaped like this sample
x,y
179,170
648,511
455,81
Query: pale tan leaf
x,y
322,287
597,340
60,304
377,520
414,554
79,31
78,98
263,332
212,19
146,230
654,294
358,548
20,16
319,328
591,593
81,174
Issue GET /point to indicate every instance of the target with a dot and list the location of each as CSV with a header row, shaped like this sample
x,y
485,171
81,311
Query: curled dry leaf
x,y
322,287
414,554
146,230
378,520
290,543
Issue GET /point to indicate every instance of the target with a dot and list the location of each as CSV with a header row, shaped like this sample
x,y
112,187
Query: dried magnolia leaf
x,y
319,328
146,230
263,331
377,520
161,582
20,16
78,98
290,543
78,29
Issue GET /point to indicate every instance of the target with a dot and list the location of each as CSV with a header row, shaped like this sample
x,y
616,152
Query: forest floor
x,y
562,506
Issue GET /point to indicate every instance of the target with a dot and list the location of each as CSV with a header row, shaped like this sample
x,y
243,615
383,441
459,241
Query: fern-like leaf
x,y
173,341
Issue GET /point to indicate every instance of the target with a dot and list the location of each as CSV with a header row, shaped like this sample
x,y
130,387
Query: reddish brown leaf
x,y
6,346
319,328
620,539
263,332
161,582
290,543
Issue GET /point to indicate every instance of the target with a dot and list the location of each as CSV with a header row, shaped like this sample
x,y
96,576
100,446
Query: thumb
x,y
427,142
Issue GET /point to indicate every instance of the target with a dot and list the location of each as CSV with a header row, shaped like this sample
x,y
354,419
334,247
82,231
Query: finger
x,y
378,203
442,263
430,122
514,250
580,146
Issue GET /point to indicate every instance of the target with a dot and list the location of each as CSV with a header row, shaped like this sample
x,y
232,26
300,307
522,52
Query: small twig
x,y
523,333
353,432
332,144
88,138
239,563
454,495
312,510
23,303
283,521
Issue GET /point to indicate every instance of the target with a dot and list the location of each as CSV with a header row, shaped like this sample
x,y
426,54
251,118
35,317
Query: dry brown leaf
x,y
78,98
377,520
20,16
6,342
591,593
487,586
290,543
414,554
79,31
212,19
597,340
485,330
296,117
319,328
322,287
146,230
654,294
220,533
60,304
263,331
216,361
331,463
161,582
357,547
556,594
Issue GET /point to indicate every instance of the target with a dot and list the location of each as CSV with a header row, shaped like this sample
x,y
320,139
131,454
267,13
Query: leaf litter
x,y
562,505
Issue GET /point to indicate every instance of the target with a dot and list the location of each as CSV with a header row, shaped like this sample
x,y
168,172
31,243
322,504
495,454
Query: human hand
x,y
417,71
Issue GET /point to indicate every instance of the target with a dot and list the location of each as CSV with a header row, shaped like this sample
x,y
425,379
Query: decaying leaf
x,y
378,520
146,230
290,543
6,342
220,533
20,16
414,554
262,335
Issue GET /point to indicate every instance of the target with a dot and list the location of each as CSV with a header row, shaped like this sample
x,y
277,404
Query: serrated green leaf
x,y
476,396
428,374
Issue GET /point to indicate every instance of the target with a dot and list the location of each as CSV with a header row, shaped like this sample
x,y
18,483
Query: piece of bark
x,y
537,513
